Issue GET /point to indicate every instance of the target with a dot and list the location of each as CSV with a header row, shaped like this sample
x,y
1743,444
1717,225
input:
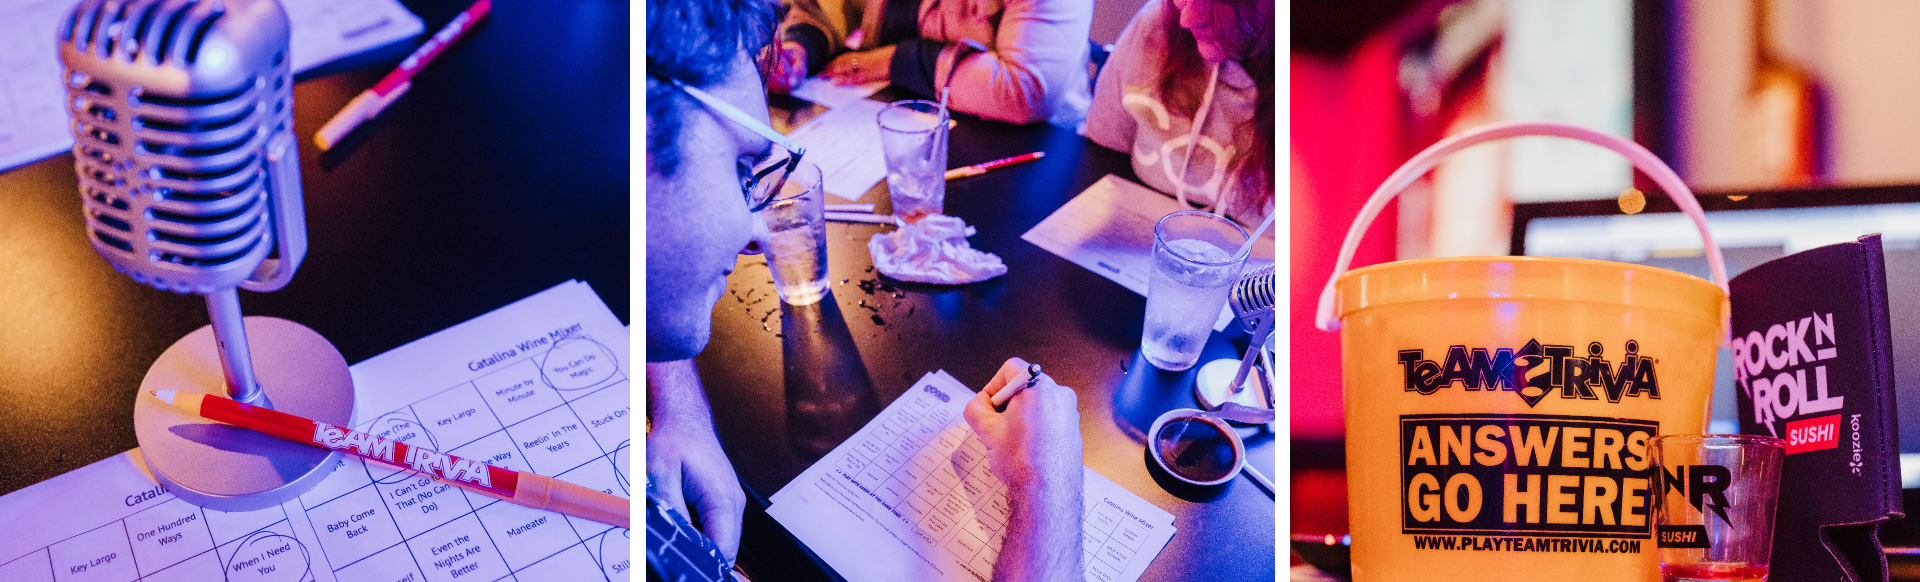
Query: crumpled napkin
x,y
934,250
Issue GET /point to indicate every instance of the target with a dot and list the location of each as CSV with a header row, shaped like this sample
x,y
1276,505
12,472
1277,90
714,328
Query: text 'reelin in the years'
x,y
544,438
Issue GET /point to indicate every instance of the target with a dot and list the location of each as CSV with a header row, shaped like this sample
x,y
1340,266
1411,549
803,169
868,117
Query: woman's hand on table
x,y
861,67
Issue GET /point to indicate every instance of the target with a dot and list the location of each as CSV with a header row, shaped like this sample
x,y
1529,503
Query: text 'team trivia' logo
x,y
1535,370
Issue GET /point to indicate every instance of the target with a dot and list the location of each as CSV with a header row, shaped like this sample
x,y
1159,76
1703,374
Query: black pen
x,y
1000,398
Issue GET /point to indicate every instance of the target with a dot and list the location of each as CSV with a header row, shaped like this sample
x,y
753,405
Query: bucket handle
x,y
1428,158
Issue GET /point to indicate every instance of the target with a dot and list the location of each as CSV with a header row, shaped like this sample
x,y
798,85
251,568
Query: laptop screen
x,y
1749,237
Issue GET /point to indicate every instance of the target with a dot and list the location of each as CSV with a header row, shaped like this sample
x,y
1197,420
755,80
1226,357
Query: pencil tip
x,y
164,395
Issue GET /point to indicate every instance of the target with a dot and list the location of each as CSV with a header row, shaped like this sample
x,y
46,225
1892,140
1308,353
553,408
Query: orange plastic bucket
x,y
1498,408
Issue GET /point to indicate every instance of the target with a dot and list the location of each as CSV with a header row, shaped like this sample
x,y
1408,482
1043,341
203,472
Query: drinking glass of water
x,y
797,253
913,138
1197,257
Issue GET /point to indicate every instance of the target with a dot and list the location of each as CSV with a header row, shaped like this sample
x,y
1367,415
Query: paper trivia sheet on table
x,y
539,385
910,497
845,142
1109,230
825,92
33,117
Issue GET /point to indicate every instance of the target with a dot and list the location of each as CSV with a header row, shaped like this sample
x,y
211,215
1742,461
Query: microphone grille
x,y
1252,297
173,102
158,30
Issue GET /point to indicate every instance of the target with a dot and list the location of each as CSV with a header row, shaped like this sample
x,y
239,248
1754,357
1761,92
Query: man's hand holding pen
x,y
1036,439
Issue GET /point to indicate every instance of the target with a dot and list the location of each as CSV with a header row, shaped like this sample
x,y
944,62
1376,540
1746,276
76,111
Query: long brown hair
x,y
1253,38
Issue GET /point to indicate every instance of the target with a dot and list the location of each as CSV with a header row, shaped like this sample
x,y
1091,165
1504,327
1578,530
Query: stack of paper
x,y
1109,230
845,143
33,118
910,497
540,385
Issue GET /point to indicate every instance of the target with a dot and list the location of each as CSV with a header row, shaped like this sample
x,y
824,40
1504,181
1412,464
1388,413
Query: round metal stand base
x,y
1210,387
228,468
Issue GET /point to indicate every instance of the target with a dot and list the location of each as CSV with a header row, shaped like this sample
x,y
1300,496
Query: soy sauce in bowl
x,y
1196,449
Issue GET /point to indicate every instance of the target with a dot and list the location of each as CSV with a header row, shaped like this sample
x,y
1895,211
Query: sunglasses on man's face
x,y
762,181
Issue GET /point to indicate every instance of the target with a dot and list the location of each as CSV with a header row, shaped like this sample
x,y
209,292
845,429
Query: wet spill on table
x,y
874,289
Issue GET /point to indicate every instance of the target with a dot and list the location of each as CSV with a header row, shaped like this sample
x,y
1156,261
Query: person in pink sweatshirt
x,y
1189,93
1018,61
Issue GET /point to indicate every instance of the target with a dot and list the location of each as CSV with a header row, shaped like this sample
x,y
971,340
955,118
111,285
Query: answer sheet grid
x,y
513,417
1111,540
911,495
170,541
947,491
950,480
533,388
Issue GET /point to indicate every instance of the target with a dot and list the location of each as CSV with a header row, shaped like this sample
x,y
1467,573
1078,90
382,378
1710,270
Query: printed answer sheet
x,y
33,116
539,385
910,497
1109,230
824,91
845,143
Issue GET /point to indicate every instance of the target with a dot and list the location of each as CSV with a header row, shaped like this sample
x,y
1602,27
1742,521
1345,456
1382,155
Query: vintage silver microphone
x,y
1252,299
189,179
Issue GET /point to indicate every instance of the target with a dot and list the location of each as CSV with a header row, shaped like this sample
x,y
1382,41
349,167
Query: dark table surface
x,y
788,384
502,173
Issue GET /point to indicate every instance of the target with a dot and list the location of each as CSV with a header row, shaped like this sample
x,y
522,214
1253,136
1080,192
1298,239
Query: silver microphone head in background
x,y
183,140
1252,298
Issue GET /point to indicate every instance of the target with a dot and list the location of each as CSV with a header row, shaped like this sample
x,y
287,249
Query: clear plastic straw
x,y
1254,237
940,131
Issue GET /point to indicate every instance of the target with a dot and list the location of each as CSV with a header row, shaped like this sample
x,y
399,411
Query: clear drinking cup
x,y
1197,257
1713,518
913,138
797,251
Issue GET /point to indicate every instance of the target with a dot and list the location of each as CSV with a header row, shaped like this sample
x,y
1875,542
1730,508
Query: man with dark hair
x,y
696,224
707,132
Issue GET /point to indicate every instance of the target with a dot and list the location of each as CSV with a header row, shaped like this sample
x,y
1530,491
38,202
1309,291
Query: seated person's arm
x,y
1037,47
807,42
1034,447
684,458
803,51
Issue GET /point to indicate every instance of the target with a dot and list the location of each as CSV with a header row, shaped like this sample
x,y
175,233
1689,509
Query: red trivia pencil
x,y
372,101
981,168
536,491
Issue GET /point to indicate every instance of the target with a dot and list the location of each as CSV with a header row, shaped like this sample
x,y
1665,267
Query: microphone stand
x,y
1212,387
1254,293
240,223
230,338
1255,344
